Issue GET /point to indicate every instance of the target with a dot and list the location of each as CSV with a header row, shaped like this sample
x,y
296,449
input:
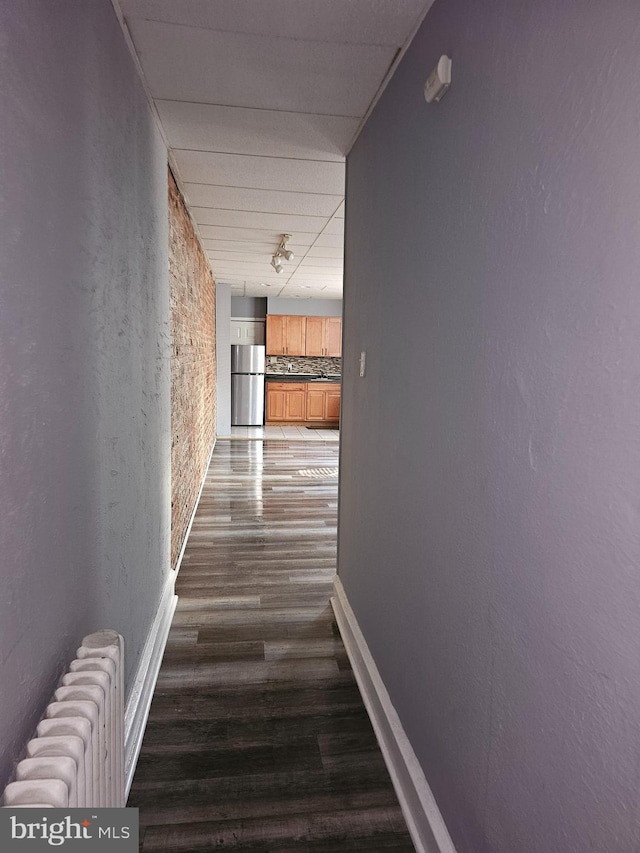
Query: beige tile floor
x,y
298,433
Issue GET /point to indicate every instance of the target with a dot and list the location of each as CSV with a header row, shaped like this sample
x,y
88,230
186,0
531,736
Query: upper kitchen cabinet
x,y
324,336
286,334
247,331
333,336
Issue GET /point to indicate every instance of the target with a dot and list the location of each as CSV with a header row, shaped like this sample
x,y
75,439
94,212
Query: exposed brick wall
x,y
193,366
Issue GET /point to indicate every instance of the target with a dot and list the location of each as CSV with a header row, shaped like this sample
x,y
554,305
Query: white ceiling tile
x,y
250,235
315,278
335,241
336,226
283,223
238,246
259,102
257,267
258,270
264,201
311,262
326,252
184,63
207,127
237,273
241,258
304,269
352,22
268,173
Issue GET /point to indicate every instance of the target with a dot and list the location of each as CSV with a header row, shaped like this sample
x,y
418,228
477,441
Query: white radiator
x,y
77,756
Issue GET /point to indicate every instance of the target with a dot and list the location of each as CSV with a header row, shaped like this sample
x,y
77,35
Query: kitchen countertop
x,y
301,377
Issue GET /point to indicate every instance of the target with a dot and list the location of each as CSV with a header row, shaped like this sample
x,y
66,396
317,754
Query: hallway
x,y
257,737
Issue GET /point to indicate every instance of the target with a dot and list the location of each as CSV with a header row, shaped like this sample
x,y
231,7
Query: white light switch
x,y
363,362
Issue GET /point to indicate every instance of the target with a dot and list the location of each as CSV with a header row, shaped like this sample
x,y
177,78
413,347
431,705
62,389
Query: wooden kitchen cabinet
x,y
333,336
303,402
315,405
323,401
315,336
286,334
275,404
286,401
324,336
296,406
332,405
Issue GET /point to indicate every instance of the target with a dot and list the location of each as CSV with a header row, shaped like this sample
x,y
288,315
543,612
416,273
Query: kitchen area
x,y
286,369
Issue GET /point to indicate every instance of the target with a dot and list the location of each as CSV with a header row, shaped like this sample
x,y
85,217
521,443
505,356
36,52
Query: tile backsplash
x,y
303,364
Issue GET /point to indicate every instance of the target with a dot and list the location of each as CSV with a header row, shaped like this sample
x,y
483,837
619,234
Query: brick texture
x,y
193,366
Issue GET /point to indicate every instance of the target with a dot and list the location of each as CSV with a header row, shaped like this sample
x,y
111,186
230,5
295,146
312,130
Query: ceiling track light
x,y
282,253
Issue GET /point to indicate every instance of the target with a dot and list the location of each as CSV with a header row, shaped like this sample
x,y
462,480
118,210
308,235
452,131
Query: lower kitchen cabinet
x,y
286,401
323,402
303,402
315,405
332,405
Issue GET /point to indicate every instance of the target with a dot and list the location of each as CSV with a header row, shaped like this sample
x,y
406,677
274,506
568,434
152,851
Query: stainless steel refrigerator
x,y
247,385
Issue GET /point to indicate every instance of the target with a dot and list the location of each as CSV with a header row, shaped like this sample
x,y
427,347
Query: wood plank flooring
x,y
257,738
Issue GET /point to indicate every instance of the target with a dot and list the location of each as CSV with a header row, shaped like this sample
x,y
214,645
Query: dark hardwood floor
x,y
257,738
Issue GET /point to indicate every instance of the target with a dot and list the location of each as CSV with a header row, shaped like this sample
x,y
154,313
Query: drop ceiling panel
x,y
233,278
260,269
332,240
352,22
206,127
316,278
259,100
282,223
267,173
241,247
334,228
249,235
241,259
186,63
308,263
235,273
318,251
236,248
264,201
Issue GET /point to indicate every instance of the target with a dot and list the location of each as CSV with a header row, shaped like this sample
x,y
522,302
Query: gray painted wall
x,y
248,306
305,307
84,351
223,358
490,479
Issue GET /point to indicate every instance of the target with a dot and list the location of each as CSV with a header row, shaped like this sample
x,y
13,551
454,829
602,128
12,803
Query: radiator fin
x,y
77,755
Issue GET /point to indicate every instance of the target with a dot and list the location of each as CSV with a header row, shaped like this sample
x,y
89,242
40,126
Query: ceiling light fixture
x,y
282,253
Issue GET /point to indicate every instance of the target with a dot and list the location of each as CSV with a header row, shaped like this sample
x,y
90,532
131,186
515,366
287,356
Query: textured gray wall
x,y
248,306
223,358
84,350
305,307
490,489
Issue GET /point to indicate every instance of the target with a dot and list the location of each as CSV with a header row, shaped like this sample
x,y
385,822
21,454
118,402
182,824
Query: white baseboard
x,y
195,509
139,702
424,821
